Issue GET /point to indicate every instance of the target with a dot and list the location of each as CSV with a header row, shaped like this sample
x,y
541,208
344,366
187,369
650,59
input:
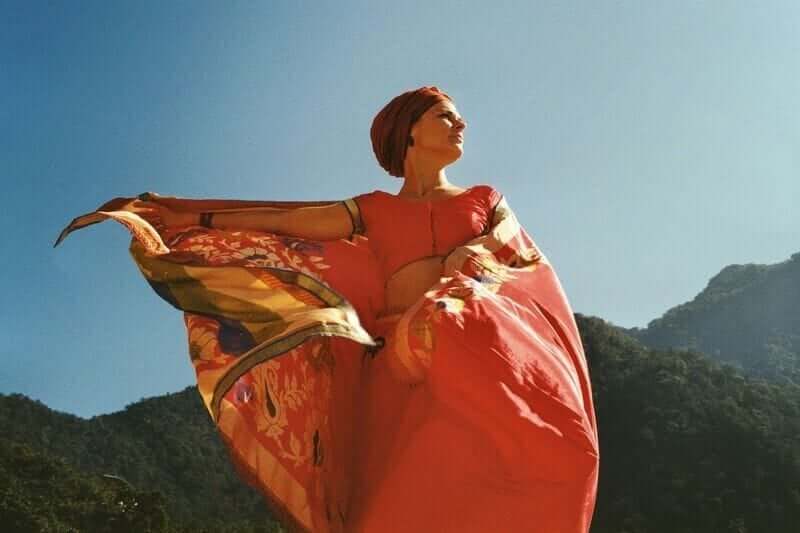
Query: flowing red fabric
x,y
476,414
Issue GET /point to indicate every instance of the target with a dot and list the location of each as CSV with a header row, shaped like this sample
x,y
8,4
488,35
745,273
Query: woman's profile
x,y
390,362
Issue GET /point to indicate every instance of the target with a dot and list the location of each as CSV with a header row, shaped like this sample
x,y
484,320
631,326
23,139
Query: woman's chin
x,y
449,154
455,148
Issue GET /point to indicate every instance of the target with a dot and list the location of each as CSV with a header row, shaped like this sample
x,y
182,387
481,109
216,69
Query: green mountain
x,y
687,444
166,444
747,316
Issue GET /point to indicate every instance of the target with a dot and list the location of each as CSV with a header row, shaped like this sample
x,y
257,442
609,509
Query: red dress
x,y
475,415
463,440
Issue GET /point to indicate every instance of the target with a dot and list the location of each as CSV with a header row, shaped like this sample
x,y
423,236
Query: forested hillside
x,y
688,444
40,492
166,444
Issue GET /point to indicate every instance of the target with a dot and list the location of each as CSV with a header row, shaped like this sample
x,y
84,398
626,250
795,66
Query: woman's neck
x,y
418,183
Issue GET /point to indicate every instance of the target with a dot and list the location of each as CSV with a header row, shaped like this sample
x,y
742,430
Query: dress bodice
x,y
401,231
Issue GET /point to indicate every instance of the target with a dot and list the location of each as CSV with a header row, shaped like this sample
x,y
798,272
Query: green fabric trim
x,y
272,349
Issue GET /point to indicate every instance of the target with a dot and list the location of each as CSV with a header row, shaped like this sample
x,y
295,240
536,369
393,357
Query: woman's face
x,y
439,132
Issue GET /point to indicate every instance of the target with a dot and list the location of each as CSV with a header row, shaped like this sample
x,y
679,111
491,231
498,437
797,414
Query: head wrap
x,y
392,125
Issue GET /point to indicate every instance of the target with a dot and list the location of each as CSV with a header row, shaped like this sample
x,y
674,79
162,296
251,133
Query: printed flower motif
x,y
202,344
321,356
191,235
252,249
294,396
281,394
288,395
205,250
301,245
272,418
259,257
203,341
265,240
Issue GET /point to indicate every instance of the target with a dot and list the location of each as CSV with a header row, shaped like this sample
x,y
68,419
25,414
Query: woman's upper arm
x,y
322,223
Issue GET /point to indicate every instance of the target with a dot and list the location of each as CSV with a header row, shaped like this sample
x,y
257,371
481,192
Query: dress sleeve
x,y
493,198
359,207
356,214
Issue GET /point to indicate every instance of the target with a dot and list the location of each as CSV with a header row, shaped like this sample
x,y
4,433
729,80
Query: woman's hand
x,y
167,216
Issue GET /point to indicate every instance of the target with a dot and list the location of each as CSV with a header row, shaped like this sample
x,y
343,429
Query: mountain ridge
x,y
745,316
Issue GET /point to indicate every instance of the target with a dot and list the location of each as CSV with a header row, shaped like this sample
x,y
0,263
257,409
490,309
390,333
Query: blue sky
x,y
644,145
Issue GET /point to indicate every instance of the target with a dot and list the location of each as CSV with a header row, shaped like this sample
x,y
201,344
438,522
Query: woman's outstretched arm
x,y
321,223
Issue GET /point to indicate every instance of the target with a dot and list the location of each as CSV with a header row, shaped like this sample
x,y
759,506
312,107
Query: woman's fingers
x,y
163,214
157,214
140,206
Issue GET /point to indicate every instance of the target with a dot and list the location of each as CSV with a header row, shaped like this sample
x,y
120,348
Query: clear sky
x,y
644,145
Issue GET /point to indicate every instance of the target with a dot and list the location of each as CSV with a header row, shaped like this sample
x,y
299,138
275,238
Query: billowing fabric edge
x,y
148,247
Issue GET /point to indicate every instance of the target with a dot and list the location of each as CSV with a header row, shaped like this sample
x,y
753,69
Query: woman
x,y
472,409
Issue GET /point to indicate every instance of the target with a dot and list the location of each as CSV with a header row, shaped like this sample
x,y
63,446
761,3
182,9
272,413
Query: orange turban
x,y
392,125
